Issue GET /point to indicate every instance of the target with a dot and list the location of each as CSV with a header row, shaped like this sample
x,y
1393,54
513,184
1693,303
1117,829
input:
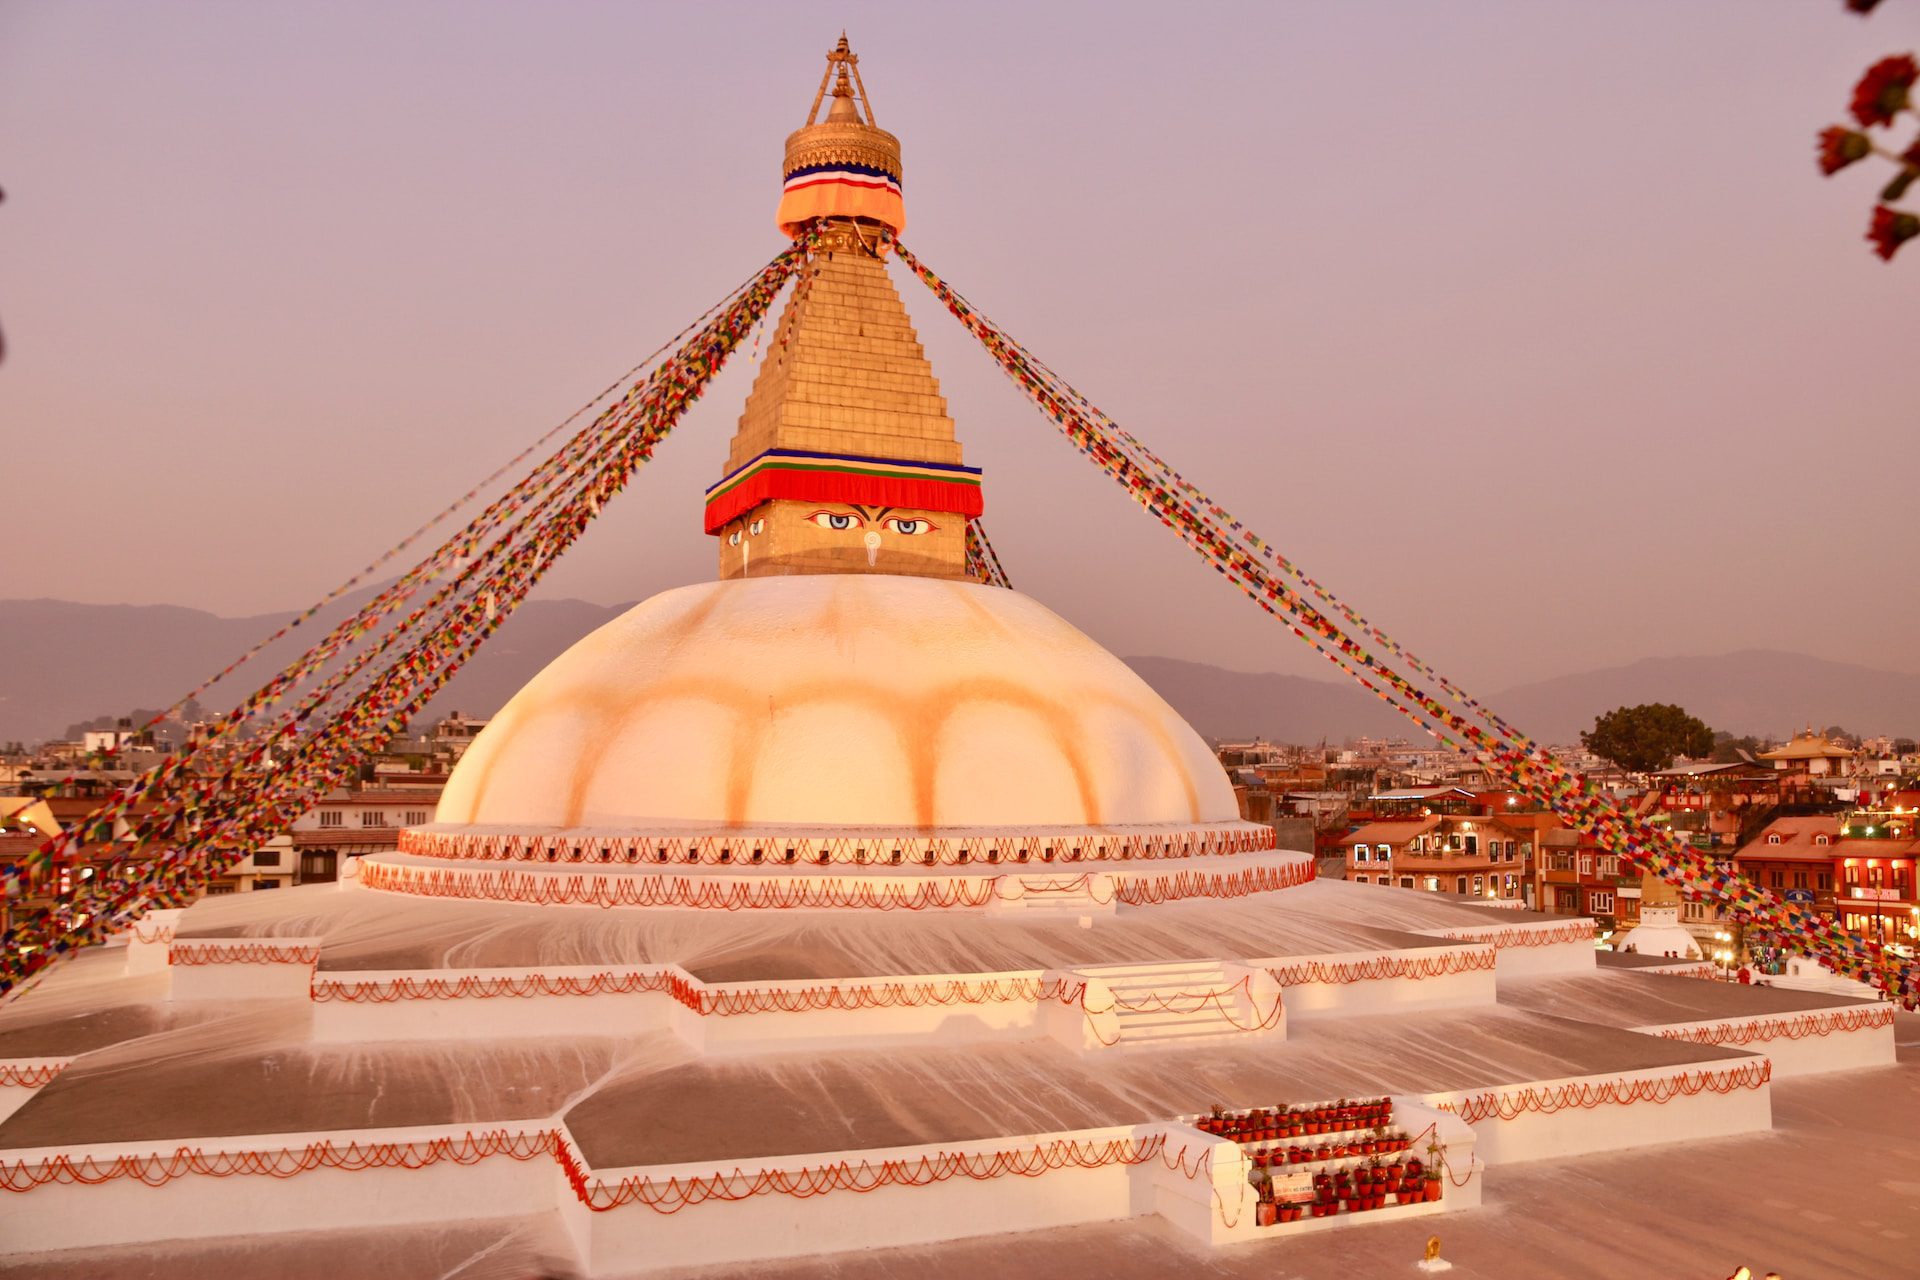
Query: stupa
x,y
846,901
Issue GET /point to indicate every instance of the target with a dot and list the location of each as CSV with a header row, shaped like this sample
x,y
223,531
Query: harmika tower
x,y
845,460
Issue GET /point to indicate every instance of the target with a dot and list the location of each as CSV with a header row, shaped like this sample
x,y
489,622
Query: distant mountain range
x,y
62,663
1753,691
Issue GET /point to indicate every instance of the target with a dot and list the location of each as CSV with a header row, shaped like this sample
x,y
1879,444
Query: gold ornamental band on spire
x,y
845,165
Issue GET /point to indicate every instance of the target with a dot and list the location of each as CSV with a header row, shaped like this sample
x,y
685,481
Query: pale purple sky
x,y
1529,326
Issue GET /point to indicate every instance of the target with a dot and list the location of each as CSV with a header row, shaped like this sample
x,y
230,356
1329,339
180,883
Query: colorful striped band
x,y
836,477
859,175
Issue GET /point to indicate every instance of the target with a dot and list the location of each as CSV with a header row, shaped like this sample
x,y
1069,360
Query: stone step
x,y
1134,990
1199,1031
1132,1023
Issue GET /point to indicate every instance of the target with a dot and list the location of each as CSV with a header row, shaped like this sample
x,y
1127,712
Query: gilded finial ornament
x,y
843,165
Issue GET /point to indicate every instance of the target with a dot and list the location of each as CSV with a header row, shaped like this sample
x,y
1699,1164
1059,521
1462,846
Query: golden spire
x,y
845,460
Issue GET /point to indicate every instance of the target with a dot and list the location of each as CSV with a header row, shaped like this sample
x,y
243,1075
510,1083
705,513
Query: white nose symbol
x,y
873,547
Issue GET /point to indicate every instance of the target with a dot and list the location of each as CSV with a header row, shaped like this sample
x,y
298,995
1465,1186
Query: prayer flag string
x,y
308,729
1276,584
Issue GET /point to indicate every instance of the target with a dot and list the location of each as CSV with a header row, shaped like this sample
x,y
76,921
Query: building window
x,y
1473,844
1586,864
1600,903
1816,840
1479,886
267,884
1693,911
1359,853
1609,866
1433,884
373,818
1773,838
413,818
1799,879
330,818
1513,885
1826,882
1460,885
1776,879
1382,852
1406,882
266,858
1360,880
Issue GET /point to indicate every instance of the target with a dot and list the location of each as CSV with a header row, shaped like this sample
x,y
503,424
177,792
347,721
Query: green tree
x,y
1648,736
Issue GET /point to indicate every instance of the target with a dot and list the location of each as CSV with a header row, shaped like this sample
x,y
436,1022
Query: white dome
x,y
837,701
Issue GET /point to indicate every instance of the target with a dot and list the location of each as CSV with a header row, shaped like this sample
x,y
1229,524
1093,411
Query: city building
x,y
1813,754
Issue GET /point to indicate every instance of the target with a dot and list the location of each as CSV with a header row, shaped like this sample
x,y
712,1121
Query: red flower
x,y
1840,147
1891,229
1883,92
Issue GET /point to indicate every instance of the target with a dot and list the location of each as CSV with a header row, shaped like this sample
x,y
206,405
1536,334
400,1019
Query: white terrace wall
x,y
1532,948
633,1237
1801,1044
1387,981
125,1210
22,1078
950,1011
1559,1128
398,1005
241,968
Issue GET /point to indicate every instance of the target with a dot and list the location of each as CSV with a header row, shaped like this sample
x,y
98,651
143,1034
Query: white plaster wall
x,y
1576,1131
1471,988
475,1018
15,1096
241,982
635,1238
870,1028
151,956
1809,1055
126,1211
1551,960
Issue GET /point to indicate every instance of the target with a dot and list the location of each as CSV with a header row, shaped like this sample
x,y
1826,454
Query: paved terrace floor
x,y
372,930
1624,998
650,1099
1830,1194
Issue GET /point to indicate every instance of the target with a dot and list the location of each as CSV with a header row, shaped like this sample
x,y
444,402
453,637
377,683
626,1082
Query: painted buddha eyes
x,y
906,526
909,527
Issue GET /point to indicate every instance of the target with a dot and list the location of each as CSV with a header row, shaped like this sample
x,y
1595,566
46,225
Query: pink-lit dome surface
x,y
837,701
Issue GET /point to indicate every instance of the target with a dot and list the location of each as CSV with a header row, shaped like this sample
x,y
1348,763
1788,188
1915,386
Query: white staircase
x,y
1176,1002
1063,892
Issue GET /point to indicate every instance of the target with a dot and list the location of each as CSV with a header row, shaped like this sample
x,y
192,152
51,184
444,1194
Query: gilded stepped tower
x,y
845,460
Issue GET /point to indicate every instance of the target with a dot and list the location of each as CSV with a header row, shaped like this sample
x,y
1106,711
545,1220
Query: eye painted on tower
x,y
841,520
910,527
733,539
757,528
